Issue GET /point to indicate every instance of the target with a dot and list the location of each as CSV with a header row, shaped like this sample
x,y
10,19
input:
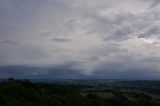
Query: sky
x,y
98,39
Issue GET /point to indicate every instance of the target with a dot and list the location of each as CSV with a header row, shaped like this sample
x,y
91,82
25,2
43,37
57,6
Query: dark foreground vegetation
x,y
25,93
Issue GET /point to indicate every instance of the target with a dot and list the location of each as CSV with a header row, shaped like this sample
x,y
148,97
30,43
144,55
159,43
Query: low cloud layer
x,y
80,39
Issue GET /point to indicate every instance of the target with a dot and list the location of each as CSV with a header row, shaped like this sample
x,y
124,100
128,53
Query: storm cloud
x,y
80,39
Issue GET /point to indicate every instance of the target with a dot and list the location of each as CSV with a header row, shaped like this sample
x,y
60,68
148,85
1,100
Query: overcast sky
x,y
112,39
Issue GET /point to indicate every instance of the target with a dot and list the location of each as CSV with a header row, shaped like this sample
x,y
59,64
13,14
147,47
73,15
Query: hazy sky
x,y
114,39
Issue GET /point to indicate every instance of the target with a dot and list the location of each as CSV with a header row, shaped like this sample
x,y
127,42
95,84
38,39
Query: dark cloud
x,y
154,3
141,74
61,40
9,42
64,72
151,31
58,72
